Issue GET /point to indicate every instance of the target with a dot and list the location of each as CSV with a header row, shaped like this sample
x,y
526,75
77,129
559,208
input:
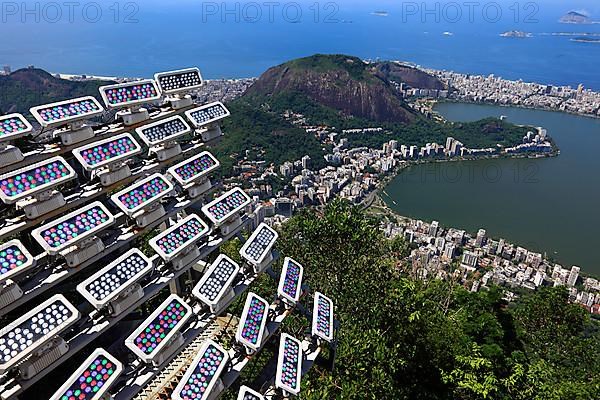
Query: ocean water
x,y
242,39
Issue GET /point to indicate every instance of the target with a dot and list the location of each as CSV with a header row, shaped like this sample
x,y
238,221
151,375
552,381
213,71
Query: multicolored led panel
x,y
178,237
246,393
251,327
13,126
259,244
130,93
289,364
163,131
142,194
224,207
34,178
63,112
217,278
156,331
290,281
104,152
108,283
179,81
92,379
14,259
207,114
194,168
203,373
322,318
24,335
72,228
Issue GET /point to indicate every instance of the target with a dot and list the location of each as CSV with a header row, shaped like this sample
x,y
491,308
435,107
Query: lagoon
x,y
550,205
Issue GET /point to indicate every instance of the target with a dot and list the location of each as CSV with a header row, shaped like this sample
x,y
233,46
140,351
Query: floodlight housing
x,y
62,113
257,249
14,259
226,206
161,136
202,380
73,228
163,131
27,333
129,94
180,237
206,119
289,364
154,334
70,114
14,126
183,80
251,328
114,279
33,179
194,169
290,281
246,393
322,317
216,282
142,194
106,152
92,379
207,114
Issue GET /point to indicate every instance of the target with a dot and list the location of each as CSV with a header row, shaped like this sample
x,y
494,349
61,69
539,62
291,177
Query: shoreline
x,y
489,103
379,190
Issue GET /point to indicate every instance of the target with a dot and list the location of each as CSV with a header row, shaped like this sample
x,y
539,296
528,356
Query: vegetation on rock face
x,y
407,339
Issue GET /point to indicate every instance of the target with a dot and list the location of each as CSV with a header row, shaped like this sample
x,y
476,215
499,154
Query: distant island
x,y
517,34
380,13
574,17
585,40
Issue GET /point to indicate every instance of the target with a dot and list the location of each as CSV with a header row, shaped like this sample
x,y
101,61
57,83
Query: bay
x,y
549,205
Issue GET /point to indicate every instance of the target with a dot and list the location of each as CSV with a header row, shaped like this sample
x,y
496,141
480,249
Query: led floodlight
x,y
158,336
12,126
117,281
192,174
14,259
29,332
207,117
70,114
289,365
257,249
176,244
108,156
75,229
322,317
92,379
246,393
202,380
290,281
131,95
36,181
161,136
177,83
142,199
251,328
224,211
214,289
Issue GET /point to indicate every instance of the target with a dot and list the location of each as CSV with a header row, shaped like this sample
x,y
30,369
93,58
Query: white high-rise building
x,y
573,275
481,238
